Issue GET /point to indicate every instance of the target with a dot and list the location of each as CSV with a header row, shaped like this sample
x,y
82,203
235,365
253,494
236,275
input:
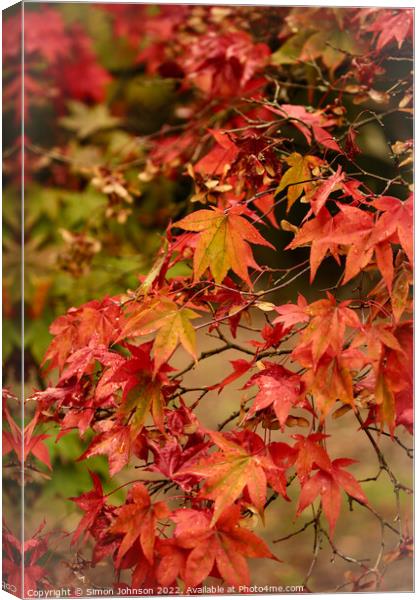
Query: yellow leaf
x,y
386,401
298,178
143,398
172,324
223,242
176,329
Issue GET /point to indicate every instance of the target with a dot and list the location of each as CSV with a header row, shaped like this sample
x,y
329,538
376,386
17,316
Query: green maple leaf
x,y
85,120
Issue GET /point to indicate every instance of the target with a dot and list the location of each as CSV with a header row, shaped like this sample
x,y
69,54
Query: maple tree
x,y
262,145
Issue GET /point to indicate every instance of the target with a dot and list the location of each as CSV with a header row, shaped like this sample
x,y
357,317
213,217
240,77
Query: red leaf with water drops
x,y
279,388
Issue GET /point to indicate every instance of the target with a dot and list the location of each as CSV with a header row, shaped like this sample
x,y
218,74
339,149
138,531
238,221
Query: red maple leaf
x,y
170,459
92,503
114,439
327,324
96,319
224,65
291,314
317,233
392,25
310,124
272,336
220,157
137,521
240,367
172,559
82,361
229,302
278,387
310,453
79,74
223,239
27,554
170,322
397,218
325,189
330,379
30,444
265,204
242,462
143,393
220,549
328,484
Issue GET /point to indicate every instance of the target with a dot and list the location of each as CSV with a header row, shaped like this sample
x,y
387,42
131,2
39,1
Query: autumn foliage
x,y
287,233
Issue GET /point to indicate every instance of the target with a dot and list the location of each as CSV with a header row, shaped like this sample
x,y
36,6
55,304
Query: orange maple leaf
x,y
223,242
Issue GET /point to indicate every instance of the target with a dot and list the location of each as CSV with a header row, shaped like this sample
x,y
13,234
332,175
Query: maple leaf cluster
x,y
67,52
32,551
269,175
